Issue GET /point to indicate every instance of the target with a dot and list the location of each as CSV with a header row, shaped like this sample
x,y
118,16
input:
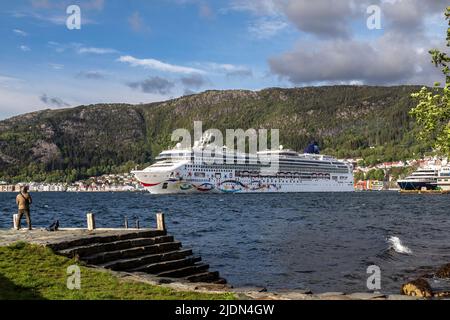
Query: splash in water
x,y
396,244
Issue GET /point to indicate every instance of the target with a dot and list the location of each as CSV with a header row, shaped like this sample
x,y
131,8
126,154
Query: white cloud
x,y
20,32
80,48
324,19
9,82
28,98
56,66
220,66
92,75
56,19
335,50
158,65
24,48
62,4
265,28
225,68
93,50
387,60
4,78
17,102
58,47
259,7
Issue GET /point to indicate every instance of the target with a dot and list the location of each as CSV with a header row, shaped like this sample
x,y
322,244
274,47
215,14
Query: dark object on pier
x,y
313,148
137,223
53,227
148,251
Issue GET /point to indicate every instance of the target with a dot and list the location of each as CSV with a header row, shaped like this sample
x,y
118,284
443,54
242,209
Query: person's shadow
x,y
11,291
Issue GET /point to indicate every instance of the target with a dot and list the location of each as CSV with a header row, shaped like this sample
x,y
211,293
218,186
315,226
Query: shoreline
x,y
46,239
197,290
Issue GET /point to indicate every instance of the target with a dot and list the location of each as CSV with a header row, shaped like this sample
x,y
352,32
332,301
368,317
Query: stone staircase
x,y
148,251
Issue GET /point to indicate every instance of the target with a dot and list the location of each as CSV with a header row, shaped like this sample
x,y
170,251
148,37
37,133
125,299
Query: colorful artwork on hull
x,y
185,186
205,187
148,185
229,186
232,186
237,186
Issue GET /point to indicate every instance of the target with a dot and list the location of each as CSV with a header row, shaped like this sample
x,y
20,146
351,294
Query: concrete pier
x,y
150,251
153,256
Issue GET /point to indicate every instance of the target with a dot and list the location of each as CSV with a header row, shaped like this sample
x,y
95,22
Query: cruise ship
x,y
179,171
423,178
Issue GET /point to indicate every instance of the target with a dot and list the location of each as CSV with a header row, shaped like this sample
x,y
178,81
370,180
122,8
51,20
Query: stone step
x,y
91,249
126,264
220,281
203,277
156,268
104,257
184,271
84,241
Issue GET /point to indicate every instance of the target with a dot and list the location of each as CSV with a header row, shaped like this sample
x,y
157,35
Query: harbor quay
x,y
153,256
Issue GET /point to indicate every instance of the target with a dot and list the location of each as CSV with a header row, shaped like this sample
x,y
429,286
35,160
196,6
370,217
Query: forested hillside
x,y
69,144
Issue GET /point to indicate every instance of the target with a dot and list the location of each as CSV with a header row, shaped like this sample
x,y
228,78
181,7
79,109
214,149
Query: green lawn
x,y
29,272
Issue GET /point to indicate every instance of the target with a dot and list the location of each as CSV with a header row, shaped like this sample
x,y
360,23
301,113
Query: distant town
x,y
105,183
384,176
377,177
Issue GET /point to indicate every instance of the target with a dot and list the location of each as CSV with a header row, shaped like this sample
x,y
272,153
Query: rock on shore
x,y
417,288
444,271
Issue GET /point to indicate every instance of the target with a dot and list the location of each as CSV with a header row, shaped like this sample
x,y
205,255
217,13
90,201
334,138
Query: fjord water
x,y
322,242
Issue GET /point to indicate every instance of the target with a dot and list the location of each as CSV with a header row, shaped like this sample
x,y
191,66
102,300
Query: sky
x,y
141,51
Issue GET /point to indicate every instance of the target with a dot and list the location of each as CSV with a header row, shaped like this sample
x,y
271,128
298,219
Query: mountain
x,y
346,121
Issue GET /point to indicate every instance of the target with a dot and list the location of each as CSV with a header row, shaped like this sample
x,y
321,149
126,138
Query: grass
x,y
30,272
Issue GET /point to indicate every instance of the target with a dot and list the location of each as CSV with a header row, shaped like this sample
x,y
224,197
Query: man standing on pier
x,y
24,201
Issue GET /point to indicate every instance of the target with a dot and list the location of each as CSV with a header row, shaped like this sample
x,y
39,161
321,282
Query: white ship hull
x,y
177,171
161,183
306,186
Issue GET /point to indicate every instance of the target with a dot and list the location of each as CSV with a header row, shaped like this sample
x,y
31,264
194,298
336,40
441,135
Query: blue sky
x,y
144,51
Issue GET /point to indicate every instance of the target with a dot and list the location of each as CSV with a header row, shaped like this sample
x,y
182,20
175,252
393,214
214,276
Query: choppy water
x,y
322,242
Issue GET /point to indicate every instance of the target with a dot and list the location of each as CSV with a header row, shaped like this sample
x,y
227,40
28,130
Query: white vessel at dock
x,y
179,171
422,178
443,180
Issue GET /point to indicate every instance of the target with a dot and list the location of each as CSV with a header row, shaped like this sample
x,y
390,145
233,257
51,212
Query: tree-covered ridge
x,y
347,121
433,110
